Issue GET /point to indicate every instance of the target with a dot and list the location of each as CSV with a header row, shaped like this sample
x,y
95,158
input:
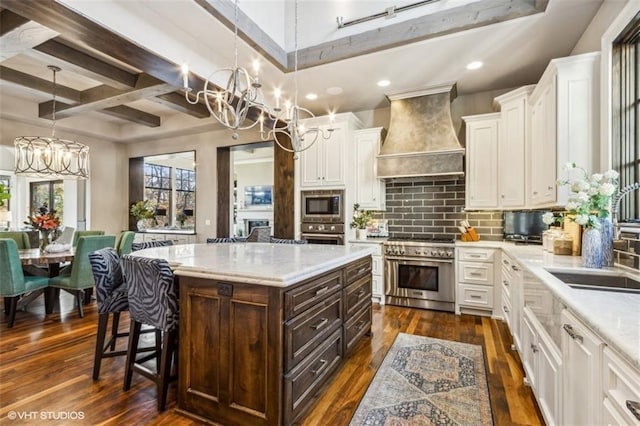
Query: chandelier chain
x,y
53,115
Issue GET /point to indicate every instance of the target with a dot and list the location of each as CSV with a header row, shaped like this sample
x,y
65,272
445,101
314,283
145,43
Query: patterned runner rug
x,y
426,381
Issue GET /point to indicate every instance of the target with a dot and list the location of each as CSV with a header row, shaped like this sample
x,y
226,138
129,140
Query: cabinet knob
x,y
535,192
549,188
534,348
634,407
502,196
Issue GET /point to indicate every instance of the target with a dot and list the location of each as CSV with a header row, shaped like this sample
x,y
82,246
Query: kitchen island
x,y
264,326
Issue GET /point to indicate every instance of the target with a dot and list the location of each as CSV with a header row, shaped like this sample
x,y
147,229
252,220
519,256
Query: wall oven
x,y
420,274
320,233
322,206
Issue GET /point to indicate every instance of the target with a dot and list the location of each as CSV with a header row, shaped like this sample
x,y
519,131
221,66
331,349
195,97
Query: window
x,y
47,194
626,114
170,188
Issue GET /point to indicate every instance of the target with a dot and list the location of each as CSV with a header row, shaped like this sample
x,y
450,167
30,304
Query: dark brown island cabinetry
x,y
259,354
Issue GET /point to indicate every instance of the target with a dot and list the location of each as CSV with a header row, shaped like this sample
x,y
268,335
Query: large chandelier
x,y
230,106
286,122
39,156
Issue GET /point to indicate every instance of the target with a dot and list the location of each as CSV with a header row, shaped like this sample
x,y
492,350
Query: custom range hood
x,y
421,141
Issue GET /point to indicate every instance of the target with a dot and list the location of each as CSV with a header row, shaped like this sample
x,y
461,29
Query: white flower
x,y
581,219
571,205
607,189
548,218
569,166
582,197
611,175
596,177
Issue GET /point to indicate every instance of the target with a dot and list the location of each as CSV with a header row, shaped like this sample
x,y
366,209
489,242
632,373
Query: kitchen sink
x,y
584,281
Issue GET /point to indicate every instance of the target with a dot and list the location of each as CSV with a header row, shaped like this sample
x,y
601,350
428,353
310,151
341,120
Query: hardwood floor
x,y
46,365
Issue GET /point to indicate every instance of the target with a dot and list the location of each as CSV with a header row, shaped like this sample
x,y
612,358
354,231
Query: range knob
x,y
402,252
320,227
310,227
419,252
449,254
442,253
333,227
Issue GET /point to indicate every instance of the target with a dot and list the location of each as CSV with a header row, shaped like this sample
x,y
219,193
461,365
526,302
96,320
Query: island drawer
x,y
356,294
304,332
307,295
302,383
358,269
357,326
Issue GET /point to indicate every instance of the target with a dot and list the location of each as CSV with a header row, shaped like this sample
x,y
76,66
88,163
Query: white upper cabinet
x,y
370,191
512,143
324,163
482,161
565,118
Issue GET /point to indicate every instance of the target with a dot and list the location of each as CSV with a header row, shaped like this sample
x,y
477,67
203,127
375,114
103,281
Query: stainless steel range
x,y
420,273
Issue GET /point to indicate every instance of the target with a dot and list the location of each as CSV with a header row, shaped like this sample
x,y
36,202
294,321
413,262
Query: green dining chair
x,y
13,283
21,239
77,279
125,242
79,234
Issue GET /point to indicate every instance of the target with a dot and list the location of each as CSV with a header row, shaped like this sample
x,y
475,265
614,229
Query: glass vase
x,y
44,239
606,230
592,254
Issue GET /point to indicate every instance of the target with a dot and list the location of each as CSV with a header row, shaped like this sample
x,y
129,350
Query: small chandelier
x,y
39,156
286,122
230,106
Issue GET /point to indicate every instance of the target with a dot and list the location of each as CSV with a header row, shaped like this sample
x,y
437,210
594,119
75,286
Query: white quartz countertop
x,y
614,316
278,265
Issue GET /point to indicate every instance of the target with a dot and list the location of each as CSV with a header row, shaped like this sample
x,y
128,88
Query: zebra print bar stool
x,y
153,300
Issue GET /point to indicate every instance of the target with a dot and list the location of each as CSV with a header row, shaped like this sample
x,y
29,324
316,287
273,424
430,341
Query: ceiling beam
x,y
177,102
81,31
9,21
38,84
473,15
252,34
45,110
83,64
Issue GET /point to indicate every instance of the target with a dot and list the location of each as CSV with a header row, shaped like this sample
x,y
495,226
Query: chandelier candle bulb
x,y
185,76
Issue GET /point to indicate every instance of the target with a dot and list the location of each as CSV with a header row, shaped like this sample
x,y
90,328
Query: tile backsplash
x,y
428,208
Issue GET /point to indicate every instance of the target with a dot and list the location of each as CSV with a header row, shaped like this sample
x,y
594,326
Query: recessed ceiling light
x,y
311,96
334,90
474,65
384,83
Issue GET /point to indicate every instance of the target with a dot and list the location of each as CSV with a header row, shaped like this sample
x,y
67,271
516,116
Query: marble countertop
x,y
614,316
167,231
278,265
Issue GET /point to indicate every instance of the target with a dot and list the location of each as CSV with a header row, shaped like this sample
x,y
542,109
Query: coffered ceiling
x,y
121,60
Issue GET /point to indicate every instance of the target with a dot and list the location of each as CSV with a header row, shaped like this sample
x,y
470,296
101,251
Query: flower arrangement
x,y
591,197
4,194
44,220
142,210
361,218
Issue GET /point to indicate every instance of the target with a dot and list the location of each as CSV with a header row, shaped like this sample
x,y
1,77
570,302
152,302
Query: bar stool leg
x,y
103,320
134,337
114,330
164,367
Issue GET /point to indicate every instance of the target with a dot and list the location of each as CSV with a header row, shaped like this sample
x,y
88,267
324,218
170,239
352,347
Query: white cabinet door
x,y
581,384
511,152
548,379
333,156
370,191
529,341
542,152
310,164
482,161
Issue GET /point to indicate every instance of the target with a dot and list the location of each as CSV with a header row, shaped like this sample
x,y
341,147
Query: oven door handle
x,y
404,259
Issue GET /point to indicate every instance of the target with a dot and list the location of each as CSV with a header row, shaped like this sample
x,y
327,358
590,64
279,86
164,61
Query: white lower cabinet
x,y
377,269
621,388
542,363
581,382
475,280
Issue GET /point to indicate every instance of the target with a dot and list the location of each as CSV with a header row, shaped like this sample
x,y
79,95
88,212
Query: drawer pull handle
x,y
505,282
361,270
323,364
475,256
572,333
505,309
474,296
321,290
505,261
475,274
534,348
322,323
360,293
634,407
515,268
361,324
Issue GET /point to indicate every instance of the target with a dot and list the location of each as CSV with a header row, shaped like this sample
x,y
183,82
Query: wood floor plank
x,y
46,365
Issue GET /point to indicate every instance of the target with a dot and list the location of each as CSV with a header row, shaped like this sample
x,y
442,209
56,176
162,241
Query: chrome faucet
x,y
616,206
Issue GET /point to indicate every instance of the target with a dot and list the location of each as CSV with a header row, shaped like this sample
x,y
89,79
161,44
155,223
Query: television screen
x,y
257,195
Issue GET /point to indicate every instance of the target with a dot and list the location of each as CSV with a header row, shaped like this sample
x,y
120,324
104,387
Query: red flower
x,y
44,222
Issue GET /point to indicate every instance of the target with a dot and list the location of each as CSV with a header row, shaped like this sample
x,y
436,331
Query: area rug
x,y
426,381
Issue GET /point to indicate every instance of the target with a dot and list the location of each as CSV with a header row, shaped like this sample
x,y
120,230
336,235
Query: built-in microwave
x,y
324,206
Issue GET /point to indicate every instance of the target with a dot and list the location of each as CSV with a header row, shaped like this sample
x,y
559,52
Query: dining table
x,y
38,262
